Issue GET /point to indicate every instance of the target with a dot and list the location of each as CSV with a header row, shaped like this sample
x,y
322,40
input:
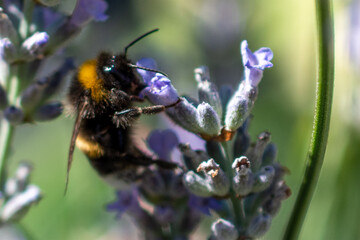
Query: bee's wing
x,y
75,133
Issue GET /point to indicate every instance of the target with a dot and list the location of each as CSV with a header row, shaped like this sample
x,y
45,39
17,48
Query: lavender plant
x,y
32,38
238,181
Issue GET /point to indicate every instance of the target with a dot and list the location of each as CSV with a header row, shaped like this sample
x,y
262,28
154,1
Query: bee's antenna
x,y
139,38
147,69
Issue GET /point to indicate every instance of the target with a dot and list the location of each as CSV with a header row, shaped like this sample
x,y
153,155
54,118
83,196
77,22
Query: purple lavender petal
x,y
87,10
147,63
163,142
160,91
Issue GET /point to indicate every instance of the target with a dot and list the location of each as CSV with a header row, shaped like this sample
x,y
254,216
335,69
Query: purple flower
x,y
159,89
87,10
126,200
255,63
204,205
163,142
34,45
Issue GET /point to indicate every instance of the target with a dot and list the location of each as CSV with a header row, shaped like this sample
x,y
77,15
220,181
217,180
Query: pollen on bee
x,y
90,148
89,79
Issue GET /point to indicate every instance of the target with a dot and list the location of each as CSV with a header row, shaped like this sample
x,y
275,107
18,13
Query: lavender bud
x,y
270,154
7,29
240,105
196,184
3,98
18,205
264,178
243,180
7,50
34,45
32,95
219,183
223,230
242,140
48,112
256,152
208,120
14,115
49,3
259,225
207,90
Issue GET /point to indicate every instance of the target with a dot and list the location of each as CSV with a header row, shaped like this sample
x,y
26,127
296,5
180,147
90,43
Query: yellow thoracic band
x,y
89,79
90,148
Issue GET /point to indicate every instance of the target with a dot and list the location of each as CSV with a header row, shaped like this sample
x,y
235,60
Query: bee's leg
x,y
124,118
135,98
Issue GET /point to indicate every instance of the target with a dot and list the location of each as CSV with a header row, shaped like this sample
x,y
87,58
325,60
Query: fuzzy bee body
x,y
102,94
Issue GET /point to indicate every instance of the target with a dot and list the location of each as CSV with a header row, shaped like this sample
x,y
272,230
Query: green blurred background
x,y
208,32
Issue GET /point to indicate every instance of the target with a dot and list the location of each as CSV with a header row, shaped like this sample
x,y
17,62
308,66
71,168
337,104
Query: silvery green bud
x,y
19,204
34,45
207,90
242,140
208,120
223,230
240,105
3,98
48,112
219,183
196,184
8,51
243,180
14,115
259,225
7,29
49,3
256,152
264,178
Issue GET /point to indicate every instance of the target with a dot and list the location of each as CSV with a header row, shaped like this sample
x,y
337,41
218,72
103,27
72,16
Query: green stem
x,y
324,92
7,130
235,202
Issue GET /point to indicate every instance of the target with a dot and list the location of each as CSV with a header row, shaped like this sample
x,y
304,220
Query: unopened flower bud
x,y
226,91
18,205
7,29
243,180
270,154
196,184
219,183
264,178
48,112
223,230
33,46
208,120
259,225
242,140
256,152
164,214
32,95
14,115
7,50
207,90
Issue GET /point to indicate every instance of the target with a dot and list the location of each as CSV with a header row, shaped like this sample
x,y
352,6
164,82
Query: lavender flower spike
x,y
34,45
255,63
241,103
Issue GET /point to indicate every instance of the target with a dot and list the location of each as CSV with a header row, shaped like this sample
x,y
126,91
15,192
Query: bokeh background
x,y
209,32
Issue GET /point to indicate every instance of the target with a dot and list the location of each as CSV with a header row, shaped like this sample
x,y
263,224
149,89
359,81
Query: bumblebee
x,y
102,94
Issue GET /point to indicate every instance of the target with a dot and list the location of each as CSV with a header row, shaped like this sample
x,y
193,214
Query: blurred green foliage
x,y
208,32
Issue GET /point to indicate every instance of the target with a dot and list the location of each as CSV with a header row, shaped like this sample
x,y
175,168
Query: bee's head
x,y
116,73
